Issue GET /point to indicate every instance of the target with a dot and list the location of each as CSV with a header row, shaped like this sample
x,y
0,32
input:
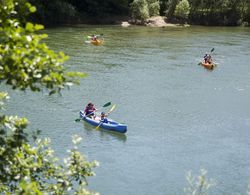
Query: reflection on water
x,y
104,134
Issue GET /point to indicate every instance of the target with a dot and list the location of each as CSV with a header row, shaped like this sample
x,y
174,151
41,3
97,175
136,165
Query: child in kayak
x,y
90,110
103,117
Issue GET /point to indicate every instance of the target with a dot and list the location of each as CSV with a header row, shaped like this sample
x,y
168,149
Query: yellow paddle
x,y
113,107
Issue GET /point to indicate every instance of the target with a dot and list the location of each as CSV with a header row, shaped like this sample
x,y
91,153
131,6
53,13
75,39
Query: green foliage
x,y
53,12
199,185
3,97
35,169
72,11
143,9
182,9
170,7
25,61
221,12
245,11
139,10
153,7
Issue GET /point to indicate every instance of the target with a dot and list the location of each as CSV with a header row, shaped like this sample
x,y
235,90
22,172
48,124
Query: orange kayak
x,y
208,66
97,42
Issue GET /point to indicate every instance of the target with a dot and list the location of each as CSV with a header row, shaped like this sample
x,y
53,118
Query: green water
x,y
180,116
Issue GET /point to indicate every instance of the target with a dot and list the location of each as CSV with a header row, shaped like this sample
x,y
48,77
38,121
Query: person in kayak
x,y
97,37
104,117
94,38
208,59
90,110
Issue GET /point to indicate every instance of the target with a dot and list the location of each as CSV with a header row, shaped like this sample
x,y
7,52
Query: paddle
x,y
113,107
105,105
211,52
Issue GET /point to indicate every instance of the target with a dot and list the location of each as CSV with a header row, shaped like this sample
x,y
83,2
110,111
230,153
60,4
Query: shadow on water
x,y
104,133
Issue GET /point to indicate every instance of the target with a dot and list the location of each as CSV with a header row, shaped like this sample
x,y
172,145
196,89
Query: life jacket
x,y
104,120
89,110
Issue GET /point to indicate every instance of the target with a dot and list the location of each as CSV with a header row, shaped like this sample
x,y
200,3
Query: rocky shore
x,y
156,21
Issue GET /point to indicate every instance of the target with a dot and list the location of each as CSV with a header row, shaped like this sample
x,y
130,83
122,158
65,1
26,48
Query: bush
x,y
199,185
139,10
182,9
26,62
154,8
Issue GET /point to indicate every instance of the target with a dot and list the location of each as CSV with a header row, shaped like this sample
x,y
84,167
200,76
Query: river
x,y
180,116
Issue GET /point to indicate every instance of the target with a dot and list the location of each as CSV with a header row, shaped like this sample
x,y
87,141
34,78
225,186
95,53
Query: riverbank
x,y
125,21
155,21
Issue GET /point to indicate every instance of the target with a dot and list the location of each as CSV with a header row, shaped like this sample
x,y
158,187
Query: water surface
x,y
180,116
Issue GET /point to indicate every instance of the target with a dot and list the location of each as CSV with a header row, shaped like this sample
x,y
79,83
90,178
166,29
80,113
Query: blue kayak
x,y
111,125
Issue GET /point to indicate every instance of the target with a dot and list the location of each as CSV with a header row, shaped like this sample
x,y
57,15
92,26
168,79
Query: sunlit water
x,y
180,116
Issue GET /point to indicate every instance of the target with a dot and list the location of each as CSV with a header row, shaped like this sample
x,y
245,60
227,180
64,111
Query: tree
x,y
28,167
53,12
171,8
26,62
182,9
153,7
199,185
139,10
247,16
220,12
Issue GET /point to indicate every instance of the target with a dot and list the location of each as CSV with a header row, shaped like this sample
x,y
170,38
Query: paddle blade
x,y
212,50
113,107
77,120
107,104
97,128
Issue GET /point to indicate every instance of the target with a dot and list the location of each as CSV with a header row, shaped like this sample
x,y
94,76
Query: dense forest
x,y
202,12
